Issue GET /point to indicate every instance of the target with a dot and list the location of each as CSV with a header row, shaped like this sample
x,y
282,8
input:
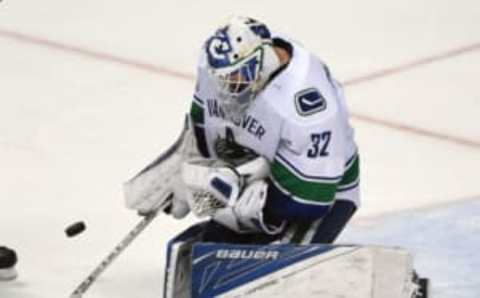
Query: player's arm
x,y
306,173
197,111
300,183
202,91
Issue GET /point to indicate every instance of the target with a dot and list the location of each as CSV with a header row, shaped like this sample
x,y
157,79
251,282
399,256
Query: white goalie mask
x,y
240,58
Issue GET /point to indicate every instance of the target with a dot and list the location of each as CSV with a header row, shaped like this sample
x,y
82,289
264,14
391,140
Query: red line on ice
x,y
417,130
94,54
97,55
413,64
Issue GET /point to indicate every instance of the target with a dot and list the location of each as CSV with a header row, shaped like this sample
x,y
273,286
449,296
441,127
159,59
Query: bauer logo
x,y
248,254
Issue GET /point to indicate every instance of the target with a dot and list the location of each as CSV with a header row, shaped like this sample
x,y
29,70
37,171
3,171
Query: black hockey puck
x,y
8,257
75,229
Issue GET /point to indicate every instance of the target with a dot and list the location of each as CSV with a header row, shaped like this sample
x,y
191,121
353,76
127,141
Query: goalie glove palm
x,y
211,185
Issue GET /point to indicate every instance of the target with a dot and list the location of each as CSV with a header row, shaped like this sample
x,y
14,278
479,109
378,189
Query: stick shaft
x,y
117,250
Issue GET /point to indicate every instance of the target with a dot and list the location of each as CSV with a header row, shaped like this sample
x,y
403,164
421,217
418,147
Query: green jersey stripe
x,y
298,199
352,173
279,158
305,190
198,100
345,187
196,111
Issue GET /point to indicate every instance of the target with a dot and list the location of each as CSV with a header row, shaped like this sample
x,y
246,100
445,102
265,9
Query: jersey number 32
x,y
320,142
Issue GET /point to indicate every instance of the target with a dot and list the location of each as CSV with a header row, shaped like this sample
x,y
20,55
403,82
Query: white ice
x,y
74,126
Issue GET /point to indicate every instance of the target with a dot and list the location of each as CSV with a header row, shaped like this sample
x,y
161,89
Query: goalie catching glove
x,y
233,197
152,187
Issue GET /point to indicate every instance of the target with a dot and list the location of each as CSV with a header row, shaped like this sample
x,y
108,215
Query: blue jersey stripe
x,y
281,205
198,99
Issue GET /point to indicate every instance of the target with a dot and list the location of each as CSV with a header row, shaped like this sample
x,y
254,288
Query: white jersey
x,y
299,122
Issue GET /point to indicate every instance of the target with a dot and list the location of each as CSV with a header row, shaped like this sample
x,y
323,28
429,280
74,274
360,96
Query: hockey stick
x,y
121,246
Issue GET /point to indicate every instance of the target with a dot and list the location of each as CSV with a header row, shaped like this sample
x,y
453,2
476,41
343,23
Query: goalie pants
x,y
325,230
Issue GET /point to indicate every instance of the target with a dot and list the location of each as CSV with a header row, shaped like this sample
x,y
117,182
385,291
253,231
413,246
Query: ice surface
x,y
73,126
444,241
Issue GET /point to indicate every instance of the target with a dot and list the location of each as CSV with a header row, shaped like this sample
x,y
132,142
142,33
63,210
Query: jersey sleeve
x,y
197,109
308,168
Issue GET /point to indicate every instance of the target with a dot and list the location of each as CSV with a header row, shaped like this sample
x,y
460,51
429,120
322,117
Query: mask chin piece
x,y
235,107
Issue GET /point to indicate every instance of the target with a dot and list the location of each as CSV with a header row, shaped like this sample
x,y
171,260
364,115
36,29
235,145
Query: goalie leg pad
x,y
177,276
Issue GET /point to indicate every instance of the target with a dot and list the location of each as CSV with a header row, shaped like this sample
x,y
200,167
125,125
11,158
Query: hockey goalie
x,y
268,160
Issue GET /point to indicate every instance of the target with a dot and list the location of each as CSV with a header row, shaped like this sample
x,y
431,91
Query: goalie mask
x,y
240,59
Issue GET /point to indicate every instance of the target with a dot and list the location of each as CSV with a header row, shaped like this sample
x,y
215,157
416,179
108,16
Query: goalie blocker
x,y
196,269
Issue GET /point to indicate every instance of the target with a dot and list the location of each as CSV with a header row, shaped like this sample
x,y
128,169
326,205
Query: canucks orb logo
x,y
310,101
218,47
